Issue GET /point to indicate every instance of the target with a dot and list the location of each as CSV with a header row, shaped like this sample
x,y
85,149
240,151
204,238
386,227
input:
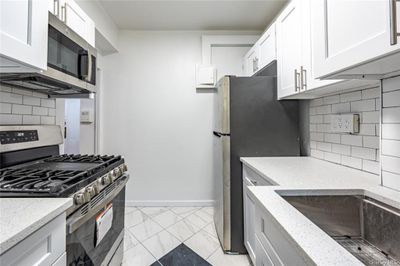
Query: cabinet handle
x,y
64,13
255,64
393,22
253,182
296,78
303,78
56,8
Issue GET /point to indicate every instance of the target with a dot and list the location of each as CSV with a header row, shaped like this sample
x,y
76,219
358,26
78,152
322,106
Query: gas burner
x,y
77,158
38,180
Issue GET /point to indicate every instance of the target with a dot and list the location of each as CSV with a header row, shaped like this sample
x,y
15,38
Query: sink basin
x,y
367,228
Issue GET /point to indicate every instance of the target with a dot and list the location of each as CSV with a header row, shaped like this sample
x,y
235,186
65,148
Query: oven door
x,y
83,247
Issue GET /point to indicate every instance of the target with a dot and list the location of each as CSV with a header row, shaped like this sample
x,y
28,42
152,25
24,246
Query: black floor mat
x,y
181,256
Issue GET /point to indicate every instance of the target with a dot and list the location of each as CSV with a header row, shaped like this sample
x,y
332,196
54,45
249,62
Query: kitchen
x,y
199,132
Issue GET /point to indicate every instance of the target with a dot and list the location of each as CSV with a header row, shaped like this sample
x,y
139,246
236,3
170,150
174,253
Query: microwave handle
x,y
83,61
90,62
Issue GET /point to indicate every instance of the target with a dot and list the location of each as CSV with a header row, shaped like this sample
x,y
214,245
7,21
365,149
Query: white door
x,y
289,49
72,126
350,32
267,47
23,35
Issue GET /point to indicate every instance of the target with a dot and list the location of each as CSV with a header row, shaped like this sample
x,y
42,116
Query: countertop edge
x,y
18,237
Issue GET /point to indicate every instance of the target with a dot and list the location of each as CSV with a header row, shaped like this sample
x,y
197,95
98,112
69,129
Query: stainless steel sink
x,y
367,228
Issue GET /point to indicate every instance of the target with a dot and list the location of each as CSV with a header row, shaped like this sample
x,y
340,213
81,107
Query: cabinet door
x,y
267,47
23,34
349,32
75,18
289,49
249,215
252,60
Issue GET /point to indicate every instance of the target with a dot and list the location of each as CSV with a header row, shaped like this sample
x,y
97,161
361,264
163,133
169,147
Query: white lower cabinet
x,y
250,178
276,247
44,247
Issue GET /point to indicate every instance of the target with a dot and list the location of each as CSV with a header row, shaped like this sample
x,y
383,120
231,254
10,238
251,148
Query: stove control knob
x,y
105,180
113,175
90,192
96,187
123,168
79,199
117,172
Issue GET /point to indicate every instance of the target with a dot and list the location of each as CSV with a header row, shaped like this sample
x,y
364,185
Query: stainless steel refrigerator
x,y
249,122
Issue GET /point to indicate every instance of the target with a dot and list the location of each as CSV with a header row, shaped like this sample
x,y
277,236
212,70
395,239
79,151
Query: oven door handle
x,y
77,219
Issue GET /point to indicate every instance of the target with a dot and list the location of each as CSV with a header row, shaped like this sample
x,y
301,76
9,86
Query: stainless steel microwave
x,y
71,65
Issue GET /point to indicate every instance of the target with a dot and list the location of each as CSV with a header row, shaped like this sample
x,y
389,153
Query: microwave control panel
x,y
11,137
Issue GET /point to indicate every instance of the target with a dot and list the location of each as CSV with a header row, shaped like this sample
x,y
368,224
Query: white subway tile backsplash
x,y
391,84
368,129
7,97
332,99
378,104
31,120
391,180
341,108
370,117
5,108
21,109
363,153
341,149
360,150
391,99
317,154
29,100
352,162
315,119
332,138
391,115
47,120
362,106
350,97
18,106
391,131
353,140
50,103
317,136
371,142
40,111
324,109
332,157
391,147
371,93
390,164
10,119
323,146
371,166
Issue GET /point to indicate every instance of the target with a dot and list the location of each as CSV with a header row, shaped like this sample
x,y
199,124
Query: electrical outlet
x,y
345,123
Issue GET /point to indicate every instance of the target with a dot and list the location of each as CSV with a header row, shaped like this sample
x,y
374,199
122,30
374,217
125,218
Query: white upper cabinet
x,y
23,35
289,49
74,17
267,47
251,61
351,37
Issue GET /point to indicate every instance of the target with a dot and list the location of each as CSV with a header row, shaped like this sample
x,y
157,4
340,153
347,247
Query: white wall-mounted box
x,y
87,116
206,76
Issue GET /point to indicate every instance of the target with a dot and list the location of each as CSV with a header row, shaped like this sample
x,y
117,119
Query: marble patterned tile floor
x,y
174,236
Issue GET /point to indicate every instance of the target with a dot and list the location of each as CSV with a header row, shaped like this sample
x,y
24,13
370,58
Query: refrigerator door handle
x,y
219,134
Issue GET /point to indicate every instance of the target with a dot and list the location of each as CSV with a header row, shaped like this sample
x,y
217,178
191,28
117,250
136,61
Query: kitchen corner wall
x,y
19,106
391,133
360,151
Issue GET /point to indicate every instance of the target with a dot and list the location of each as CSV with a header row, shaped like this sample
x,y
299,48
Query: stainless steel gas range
x,y
31,166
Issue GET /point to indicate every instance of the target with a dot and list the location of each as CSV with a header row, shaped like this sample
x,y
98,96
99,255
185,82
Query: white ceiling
x,y
192,15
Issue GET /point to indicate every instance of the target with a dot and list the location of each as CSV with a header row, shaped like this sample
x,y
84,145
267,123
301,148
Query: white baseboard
x,y
169,203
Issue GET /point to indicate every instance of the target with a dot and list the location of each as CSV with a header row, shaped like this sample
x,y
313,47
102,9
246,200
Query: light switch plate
x,y
345,123
206,76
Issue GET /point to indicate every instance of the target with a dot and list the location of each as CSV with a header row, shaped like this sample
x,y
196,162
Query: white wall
x,y
152,114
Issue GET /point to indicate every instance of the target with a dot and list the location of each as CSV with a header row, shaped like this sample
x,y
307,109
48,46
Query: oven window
x,y
64,54
81,248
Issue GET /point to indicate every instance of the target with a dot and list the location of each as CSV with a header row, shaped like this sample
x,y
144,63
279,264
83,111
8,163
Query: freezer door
x,y
221,106
222,181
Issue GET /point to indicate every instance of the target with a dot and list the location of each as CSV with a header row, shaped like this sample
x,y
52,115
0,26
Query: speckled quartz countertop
x,y
20,217
310,176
